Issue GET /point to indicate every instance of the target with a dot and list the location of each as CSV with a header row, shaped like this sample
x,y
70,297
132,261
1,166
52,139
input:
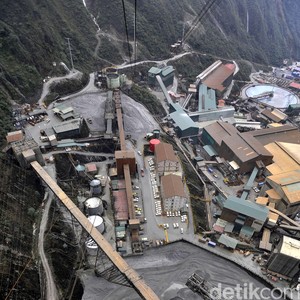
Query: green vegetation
x,y
33,36
143,96
65,87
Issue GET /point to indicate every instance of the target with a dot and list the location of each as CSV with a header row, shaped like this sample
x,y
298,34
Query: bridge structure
x,y
133,278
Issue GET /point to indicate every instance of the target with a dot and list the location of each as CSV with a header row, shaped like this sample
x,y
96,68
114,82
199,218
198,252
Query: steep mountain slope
x,y
258,30
33,36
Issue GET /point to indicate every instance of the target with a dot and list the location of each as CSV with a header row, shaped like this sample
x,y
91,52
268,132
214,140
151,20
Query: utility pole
x,y
70,51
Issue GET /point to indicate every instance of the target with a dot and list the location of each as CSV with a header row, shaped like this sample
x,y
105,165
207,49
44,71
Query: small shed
x,y
228,241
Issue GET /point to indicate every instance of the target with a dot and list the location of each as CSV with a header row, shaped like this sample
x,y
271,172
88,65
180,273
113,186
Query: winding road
x,y
51,290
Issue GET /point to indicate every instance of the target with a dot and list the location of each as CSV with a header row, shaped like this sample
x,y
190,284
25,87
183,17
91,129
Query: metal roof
x,y
288,183
228,241
245,148
290,247
286,157
219,130
67,126
154,71
164,151
247,230
167,70
247,208
172,186
181,118
295,85
218,76
210,150
285,133
275,115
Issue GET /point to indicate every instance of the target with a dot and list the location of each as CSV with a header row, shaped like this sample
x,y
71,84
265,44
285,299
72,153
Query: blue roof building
x,y
244,214
184,125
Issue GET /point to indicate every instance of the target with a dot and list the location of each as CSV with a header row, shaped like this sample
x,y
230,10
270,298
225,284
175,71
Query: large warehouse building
x,y
283,177
183,124
166,159
243,153
172,192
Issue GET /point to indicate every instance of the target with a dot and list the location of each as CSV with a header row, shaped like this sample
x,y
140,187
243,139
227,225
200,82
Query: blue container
x,y
212,244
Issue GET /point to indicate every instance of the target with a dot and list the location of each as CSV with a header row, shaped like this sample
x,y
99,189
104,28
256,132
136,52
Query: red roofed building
x,y
91,168
295,85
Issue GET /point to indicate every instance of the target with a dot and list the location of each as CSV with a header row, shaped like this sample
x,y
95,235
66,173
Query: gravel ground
x,y
166,270
137,119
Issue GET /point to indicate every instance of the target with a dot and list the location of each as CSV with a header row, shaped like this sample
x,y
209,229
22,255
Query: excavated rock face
x,y
20,199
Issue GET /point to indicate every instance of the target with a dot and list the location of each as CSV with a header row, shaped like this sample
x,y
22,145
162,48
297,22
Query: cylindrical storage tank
x,y
156,133
113,81
94,206
153,143
80,170
98,222
95,186
91,247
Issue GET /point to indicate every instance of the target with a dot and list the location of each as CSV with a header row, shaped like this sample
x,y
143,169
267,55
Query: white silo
x,y
98,222
91,246
95,186
94,206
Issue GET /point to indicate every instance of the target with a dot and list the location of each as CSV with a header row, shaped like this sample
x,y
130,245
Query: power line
x,y
126,28
70,51
134,33
199,17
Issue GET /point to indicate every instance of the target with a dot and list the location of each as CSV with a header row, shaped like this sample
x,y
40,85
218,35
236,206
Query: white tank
x,y
94,206
98,222
95,186
91,247
113,81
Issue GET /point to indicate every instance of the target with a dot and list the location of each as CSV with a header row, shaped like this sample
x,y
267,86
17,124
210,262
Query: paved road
x,y
165,61
47,84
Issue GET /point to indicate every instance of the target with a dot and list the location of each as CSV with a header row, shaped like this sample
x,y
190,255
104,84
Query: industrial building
x,y
68,129
64,112
243,153
172,191
218,76
247,217
26,151
166,74
282,184
283,133
166,159
285,259
14,136
184,126
274,115
204,107
287,186
125,157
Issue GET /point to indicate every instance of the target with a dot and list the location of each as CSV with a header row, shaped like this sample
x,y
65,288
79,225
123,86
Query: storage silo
x,y
156,133
91,247
113,81
95,186
153,143
94,206
98,222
